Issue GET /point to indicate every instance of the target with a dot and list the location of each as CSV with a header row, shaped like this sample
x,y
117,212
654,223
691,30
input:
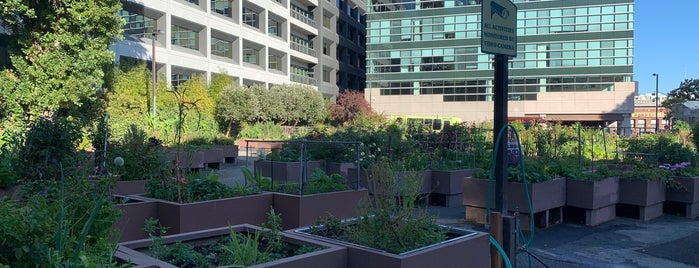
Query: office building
x,y
574,60
312,42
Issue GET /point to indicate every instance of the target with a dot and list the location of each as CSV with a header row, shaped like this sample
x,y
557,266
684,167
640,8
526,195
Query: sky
x,y
666,42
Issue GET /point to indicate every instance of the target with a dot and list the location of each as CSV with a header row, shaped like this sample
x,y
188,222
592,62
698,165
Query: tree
x,y
218,82
237,105
58,52
687,91
313,106
349,104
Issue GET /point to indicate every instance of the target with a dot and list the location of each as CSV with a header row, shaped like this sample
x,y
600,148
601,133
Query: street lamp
x,y
657,99
154,36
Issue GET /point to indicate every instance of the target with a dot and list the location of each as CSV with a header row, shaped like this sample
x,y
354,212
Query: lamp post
x,y
154,36
657,100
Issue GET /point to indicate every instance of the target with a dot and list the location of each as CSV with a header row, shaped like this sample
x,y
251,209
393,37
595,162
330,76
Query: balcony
x,y
300,16
304,49
304,79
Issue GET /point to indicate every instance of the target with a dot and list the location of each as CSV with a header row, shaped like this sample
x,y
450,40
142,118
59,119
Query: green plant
x,y
8,161
235,250
142,159
318,182
285,154
194,186
48,144
67,224
387,223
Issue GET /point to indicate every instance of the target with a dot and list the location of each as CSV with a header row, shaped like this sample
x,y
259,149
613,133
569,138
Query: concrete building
x,y
687,111
574,60
644,118
312,42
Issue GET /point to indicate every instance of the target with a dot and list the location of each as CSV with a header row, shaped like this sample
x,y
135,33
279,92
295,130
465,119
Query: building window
x,y
220,47
327,21
184,37
251,17
275,62
326,75
222,7
251,55
275,27
326,49
178,79
642,125
137,24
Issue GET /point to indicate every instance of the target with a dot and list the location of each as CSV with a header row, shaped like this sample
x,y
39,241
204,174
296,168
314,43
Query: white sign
x,y
499,27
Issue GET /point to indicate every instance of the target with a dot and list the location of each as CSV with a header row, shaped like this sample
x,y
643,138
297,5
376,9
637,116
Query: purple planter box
x,y
641,192
330,256
690,193
339,168
544,195
212,157
230,152
135,212
188,217
187,159
641,199
285,171
449,182
134,187
589,194
304,210
471,249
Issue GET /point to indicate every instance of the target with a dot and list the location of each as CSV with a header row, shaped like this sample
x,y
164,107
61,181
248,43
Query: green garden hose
x,y
526,242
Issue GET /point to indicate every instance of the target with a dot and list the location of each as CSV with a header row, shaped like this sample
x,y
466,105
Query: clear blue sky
x,y
666,42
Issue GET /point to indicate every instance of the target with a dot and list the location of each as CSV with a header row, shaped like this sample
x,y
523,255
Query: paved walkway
x,y
669,241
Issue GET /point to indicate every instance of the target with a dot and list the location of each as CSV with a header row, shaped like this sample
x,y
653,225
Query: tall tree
x,y
58,52
687,91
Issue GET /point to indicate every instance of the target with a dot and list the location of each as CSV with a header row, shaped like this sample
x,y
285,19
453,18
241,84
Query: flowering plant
x,y
683,169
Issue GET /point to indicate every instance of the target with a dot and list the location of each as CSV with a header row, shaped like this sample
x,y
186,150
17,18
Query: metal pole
x,y
500,121
154,36
657,100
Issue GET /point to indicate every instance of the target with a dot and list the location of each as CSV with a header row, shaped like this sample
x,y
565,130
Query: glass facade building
x,y
420,48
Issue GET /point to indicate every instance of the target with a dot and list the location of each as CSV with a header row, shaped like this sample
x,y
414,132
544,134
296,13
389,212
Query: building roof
x,y
692,105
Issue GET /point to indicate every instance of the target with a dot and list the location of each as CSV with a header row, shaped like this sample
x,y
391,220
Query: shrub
x,y
142,158
49,144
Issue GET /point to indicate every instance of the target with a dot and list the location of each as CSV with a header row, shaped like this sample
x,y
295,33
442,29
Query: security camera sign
x,y
499,27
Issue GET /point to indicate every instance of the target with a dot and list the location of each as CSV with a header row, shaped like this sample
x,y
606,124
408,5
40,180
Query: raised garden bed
x,y
304,210
683,201
592,201
641,199
325,255
194,216
463,247
447,188
547,198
